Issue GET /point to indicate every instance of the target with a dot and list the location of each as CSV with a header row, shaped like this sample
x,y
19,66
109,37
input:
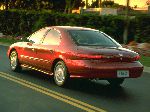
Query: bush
x,y
15,22
143,28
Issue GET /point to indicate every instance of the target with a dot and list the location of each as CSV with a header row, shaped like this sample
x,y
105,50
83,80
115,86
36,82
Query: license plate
x,y
122,73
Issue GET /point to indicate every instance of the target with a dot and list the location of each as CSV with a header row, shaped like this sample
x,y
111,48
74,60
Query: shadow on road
x,y
94,88
98,89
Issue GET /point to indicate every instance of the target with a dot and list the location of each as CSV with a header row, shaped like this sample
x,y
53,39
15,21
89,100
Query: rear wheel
x,y
14,62
60,73
115,82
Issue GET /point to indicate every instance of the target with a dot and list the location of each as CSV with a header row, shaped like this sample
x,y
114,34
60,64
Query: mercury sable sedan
x,y
75,52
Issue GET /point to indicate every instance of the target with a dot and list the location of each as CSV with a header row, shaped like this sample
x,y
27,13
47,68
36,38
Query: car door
x,y
48,49
32,46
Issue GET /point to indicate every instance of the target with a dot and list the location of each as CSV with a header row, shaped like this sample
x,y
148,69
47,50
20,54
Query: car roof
x,y
72,28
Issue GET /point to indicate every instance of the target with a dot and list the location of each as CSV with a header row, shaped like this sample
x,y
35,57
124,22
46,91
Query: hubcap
x,y
13,60
59,74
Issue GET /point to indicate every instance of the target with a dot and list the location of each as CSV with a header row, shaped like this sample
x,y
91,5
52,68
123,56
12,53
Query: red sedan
x,y
75,52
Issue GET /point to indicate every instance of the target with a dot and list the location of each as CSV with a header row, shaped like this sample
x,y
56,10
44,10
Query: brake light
x,y
136,58
85,56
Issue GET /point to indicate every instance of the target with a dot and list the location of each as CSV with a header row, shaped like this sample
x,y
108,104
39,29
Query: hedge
x,y
142,33
25,22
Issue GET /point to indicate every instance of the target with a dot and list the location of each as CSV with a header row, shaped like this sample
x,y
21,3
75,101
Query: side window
x,y
37,36
52,38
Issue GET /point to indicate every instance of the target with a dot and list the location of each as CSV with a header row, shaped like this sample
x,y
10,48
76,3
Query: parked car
x,y
75,52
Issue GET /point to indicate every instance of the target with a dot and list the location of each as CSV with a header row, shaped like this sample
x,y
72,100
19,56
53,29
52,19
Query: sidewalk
x,y
146,69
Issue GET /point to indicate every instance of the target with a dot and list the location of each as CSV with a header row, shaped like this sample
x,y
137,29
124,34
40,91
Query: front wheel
x,y
115,82
14,62
60,73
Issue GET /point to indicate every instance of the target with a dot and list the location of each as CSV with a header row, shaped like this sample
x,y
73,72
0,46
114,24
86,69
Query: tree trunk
x,y
100,3
86,4
6,4
125,34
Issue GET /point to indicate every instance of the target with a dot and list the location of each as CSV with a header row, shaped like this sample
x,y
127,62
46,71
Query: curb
x,y
146,69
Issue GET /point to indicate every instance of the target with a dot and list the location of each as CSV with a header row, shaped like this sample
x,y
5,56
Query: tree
x,y
70,4
95,4
56,5
29,4
87,1
6,4
107,3
100,3
116,5
135,6
148,2
127,22
79,3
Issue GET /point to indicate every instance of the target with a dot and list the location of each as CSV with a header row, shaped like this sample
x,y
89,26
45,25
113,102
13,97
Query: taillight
x,y
136,58
86,56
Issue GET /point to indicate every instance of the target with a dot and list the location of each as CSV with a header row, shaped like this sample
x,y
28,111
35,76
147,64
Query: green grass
x,y
8,40
145,61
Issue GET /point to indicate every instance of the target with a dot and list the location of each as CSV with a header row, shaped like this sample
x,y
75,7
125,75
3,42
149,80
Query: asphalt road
x,y
31,91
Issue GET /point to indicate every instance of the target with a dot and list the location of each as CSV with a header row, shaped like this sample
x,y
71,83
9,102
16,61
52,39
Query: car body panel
x,y
100,69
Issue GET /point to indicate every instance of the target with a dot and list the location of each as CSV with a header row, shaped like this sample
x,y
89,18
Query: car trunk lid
x,y
112,54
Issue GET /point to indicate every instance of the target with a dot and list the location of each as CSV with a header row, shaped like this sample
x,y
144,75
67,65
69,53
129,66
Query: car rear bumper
x,y
103,70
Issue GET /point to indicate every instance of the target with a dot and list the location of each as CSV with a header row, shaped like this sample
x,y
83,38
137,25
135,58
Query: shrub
x,y
143,28
16,22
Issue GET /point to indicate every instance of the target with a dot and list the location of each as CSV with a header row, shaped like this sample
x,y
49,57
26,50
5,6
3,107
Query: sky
x,y
139,3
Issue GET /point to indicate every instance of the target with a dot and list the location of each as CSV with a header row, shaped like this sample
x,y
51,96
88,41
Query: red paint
x,y
81,61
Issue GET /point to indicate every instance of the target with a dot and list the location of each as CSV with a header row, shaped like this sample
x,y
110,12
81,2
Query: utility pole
x,y
127,22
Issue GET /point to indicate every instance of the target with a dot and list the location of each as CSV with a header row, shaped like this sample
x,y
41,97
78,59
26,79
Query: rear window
x,y
91,38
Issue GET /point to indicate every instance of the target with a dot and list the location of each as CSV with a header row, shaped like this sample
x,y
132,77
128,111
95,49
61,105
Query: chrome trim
x,y
33,68
32,58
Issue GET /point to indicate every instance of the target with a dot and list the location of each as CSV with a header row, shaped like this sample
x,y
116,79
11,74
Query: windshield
x,y
91,38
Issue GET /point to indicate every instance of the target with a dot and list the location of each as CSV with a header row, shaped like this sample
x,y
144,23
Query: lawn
x,y
145,61
7,40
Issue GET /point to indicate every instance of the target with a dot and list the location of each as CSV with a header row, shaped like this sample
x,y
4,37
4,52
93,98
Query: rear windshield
x,y
91,38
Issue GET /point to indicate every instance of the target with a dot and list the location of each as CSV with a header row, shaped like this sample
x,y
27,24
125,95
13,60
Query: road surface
x,y
31,91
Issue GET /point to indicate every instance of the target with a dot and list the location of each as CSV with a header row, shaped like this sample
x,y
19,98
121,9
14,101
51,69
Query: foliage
x,y
94,4
22,22
55,5
148,2
145,61
73,4
28,4
107,3
143,28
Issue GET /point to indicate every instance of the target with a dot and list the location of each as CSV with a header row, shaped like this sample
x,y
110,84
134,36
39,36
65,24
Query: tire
x,y
115,82
60,74
14,62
